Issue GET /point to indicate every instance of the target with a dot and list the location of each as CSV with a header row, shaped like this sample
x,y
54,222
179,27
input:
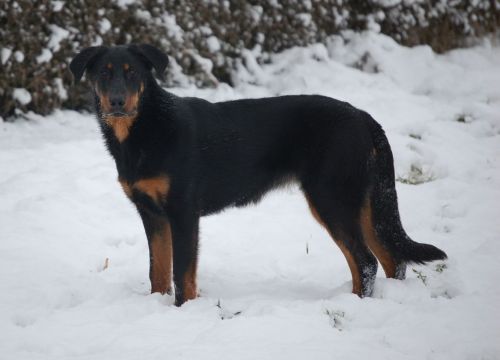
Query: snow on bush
x,y
208,40
22,96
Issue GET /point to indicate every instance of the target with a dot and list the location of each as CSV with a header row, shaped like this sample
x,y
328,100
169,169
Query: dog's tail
x,y
384,204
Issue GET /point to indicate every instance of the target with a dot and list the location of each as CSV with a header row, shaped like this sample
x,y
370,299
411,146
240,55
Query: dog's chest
x,y
140,173
155,188
132,164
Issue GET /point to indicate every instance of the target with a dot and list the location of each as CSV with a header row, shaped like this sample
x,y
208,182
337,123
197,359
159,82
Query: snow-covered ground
x,y
273,285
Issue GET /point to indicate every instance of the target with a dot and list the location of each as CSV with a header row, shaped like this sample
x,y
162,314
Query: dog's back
x,y
247,147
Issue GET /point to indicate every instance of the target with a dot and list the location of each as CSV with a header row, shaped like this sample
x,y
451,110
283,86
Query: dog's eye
x,y
105,72
131,72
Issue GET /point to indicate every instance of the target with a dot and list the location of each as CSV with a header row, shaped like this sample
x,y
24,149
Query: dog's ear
x,y
84,59
154,57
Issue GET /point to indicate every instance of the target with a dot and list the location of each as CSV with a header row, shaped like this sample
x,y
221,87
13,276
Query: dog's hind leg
x,y
393,267
348,236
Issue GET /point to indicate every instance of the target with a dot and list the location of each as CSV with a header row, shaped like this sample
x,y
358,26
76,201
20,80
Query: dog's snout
x,y
117,102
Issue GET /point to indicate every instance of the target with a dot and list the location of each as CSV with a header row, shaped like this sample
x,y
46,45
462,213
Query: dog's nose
x,y
117,102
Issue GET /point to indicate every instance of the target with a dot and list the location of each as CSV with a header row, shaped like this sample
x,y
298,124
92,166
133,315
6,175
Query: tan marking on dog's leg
x,y
371,239
356,277
126,187
161,259
189,283
156,188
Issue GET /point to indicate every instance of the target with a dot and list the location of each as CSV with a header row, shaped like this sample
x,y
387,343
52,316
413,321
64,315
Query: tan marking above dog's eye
x,y
126,67
109,66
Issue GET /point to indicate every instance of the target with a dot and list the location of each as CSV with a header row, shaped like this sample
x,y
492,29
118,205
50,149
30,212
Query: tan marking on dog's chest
x,y
156,188
127,189
120,125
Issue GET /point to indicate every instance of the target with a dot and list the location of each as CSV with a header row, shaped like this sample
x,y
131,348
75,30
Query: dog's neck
x,y
120,126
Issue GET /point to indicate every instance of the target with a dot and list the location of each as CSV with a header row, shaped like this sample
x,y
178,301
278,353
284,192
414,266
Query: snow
x,y
124,3
5,55
172,29
143,14
58,35
19,56
387,3
305,18
61,90
256,12
57,5
45,56
213,44
272,284
104,25
21,95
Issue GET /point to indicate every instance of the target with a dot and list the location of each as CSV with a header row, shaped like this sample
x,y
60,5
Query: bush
x,y
206,40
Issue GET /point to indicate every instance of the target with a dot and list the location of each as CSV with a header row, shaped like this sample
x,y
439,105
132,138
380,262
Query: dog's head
x,y
119,75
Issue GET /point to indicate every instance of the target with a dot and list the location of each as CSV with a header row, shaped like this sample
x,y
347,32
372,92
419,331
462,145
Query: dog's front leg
x,y
185,253
158,232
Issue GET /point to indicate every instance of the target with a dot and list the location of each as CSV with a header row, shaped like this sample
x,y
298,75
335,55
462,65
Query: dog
x,y
180,158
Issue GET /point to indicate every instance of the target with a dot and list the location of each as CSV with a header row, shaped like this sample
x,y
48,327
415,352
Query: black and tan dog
x,y
182,158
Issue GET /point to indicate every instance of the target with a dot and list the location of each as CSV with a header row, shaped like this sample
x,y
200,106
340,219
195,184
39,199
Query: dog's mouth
x,y
118,114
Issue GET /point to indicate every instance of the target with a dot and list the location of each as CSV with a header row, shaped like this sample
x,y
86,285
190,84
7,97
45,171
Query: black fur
x,y
152,57
217,155
84,60
385,205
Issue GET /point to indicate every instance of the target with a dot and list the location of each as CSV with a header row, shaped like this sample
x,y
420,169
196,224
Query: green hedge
x,y
206,39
